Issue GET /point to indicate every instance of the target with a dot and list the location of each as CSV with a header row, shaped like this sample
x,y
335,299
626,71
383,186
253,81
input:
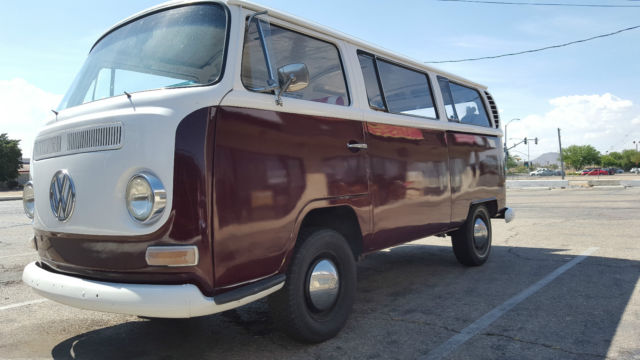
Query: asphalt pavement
x,y
562,282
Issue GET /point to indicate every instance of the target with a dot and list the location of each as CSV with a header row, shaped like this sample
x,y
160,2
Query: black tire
x,y
472,250
292,308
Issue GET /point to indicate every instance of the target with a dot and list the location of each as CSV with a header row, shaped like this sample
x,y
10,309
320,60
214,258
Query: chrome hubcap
x,y
324,285
480,235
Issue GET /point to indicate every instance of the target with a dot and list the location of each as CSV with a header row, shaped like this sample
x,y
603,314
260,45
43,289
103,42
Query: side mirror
x,y
293,77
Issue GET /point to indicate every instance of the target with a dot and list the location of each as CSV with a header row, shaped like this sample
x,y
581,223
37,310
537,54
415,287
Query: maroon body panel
x,y
409,183
270,169
476,172
244,179
122,259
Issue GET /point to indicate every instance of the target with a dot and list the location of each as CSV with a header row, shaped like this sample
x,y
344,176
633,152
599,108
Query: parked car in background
x,y
619,171
559,173
585,171
541,172
635,171
596,172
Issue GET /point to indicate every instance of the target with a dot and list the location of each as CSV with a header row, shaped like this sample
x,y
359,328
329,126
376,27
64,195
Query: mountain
x,y
547,159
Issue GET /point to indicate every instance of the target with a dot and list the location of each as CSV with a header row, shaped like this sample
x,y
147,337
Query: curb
x,y
9,198
564,184
530,184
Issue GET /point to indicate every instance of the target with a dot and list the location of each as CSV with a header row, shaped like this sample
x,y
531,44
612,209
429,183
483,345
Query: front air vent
x,y
79,140
494,110
47,145
100,138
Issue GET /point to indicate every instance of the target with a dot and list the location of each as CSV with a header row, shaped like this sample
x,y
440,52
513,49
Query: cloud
x,y
605,121
25,109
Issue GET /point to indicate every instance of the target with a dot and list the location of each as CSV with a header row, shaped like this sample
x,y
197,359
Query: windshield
x,y
178,47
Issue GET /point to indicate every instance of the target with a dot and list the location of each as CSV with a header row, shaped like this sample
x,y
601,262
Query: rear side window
x,y
406,91
368,66
396,89
463,104
326,77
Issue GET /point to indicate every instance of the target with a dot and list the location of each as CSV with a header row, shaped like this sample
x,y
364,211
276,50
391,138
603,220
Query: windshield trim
x,y
156,10
161,8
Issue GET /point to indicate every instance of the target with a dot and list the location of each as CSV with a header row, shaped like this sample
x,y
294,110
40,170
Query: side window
x,y
448,100
406,91
400,90
468,106
326,77
368,66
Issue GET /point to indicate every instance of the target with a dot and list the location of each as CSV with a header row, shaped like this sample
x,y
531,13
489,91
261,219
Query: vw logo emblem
x,y
62,195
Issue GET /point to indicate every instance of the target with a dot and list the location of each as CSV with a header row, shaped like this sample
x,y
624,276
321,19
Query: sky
x,y
590,90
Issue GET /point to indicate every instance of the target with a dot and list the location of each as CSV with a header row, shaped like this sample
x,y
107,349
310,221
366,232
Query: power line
x,y
542,4
533,50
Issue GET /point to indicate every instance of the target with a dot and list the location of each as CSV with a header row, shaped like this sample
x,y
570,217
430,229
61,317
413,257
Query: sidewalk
x,y
10,195
572,183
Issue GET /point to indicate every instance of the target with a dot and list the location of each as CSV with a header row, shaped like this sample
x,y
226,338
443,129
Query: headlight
x,y
146,197
28,199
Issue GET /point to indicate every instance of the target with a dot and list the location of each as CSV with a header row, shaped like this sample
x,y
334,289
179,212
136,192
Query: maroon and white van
x,y
212,153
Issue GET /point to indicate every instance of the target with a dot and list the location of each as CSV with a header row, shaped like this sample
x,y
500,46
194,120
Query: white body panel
x,y
149,120
166,301
149,124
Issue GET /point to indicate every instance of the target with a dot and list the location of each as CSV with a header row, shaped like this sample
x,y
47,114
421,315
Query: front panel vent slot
x,y
79,140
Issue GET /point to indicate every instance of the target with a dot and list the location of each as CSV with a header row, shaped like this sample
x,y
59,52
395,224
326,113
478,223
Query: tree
x,y
609,161
635,158
511,162
10,157
630,158
577,156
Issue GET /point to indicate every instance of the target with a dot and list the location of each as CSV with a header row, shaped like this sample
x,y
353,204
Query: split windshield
x,y
178,47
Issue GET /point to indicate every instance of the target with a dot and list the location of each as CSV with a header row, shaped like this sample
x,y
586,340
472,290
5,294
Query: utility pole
x,y
528,157
506,150
561,157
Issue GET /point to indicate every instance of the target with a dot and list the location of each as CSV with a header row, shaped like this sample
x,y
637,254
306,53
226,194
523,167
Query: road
x,y
536,297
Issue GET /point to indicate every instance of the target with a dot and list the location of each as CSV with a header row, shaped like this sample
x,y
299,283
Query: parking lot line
x,y
467,333
25,303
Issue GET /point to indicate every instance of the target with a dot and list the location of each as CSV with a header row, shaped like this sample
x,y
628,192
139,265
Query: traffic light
x,y
536,139
525,141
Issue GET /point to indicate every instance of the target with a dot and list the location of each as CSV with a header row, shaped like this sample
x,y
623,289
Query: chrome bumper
x,y
164,301
508,214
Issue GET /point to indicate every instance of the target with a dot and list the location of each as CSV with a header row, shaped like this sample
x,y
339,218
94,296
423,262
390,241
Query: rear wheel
x,y
318,295
472,242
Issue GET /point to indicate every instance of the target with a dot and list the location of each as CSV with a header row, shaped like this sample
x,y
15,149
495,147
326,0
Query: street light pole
x,y
506,152
528,157
561,157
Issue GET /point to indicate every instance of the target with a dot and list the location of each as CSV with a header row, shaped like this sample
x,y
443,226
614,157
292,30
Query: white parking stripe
x,y
7,307
467,333
21,254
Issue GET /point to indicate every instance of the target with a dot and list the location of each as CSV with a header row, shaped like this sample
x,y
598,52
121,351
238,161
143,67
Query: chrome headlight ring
x,y
145,197
28,199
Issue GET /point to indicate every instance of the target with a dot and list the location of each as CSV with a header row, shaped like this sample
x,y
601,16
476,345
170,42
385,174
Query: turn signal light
x,y
172,255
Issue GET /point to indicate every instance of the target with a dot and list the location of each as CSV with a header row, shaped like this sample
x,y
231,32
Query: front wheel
x,y
472,242
318,295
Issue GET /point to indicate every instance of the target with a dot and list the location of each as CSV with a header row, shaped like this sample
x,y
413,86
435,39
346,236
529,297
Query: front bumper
x,y
163,301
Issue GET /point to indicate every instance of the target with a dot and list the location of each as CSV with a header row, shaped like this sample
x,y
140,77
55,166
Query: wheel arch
x,y
490,203
341,218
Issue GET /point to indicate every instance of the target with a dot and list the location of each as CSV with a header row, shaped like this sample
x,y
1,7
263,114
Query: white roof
x,y
311,25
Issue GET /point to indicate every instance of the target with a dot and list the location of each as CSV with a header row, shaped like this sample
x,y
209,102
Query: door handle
x,y
357,146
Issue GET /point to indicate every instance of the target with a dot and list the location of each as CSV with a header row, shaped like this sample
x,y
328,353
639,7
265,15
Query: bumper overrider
x,y
163,301
508,214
